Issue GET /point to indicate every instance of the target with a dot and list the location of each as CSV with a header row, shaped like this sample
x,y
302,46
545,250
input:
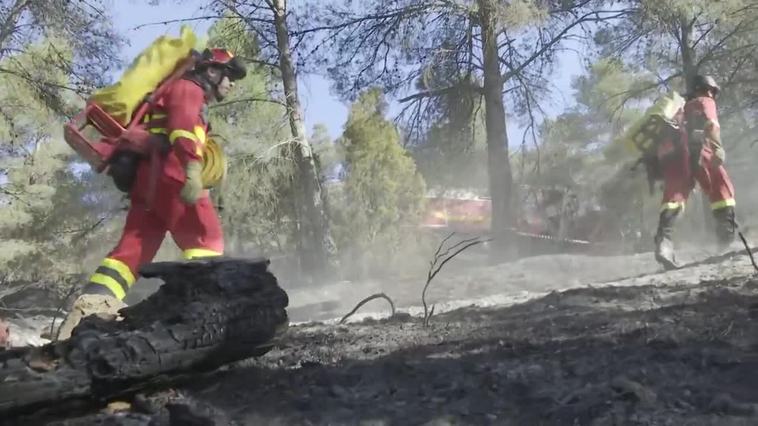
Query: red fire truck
x,y
548,220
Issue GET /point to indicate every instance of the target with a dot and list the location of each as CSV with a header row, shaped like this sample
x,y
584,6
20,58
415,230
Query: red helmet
x,y
224,59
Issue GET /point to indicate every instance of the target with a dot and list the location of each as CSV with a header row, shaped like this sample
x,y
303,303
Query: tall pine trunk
x,y
498,162
314,238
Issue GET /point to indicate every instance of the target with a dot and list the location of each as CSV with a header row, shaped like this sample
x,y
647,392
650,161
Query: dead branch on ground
x,y
744,242
439,260
747,248
366,300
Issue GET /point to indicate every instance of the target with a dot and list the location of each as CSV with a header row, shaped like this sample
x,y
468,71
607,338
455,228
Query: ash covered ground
x,y
538,347
676,348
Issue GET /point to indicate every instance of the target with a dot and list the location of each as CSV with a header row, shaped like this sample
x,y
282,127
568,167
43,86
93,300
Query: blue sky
x,y
319,105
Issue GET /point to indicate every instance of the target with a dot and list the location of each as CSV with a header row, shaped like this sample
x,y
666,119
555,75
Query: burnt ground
x,y
678,348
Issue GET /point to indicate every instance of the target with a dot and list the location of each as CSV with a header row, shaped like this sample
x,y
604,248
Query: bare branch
x,y
366,300
435,92
439,260
588,17
710,52
248,100
180,20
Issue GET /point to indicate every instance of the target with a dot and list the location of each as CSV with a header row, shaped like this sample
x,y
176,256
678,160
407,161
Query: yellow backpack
x,y
644,133
146,72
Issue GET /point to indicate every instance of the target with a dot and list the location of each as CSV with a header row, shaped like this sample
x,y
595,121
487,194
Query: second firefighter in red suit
x,y
695,154
181,205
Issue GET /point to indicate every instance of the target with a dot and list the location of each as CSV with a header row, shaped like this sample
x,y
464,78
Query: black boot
x,y
726,226
664,246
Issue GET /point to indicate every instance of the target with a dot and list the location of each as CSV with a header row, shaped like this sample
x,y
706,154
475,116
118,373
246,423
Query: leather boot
x,y
664,246
103,305
725,226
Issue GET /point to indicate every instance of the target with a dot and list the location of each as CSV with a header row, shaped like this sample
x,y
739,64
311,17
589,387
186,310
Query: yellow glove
x,y
193,185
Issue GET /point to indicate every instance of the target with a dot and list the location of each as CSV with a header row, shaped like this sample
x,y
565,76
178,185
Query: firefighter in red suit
x,y
181,207
695,153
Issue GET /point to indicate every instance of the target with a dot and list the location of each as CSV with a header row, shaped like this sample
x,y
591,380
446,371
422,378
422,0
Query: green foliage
x,y
45,219
383,193
329,154
75,39
521,14
256,196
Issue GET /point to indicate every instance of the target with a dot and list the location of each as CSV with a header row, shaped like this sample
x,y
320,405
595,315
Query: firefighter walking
x,y
181,205
692,154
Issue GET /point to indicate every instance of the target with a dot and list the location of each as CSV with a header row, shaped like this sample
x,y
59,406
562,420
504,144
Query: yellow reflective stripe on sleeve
x,y
121,268
200,252
723,204
158,131
110,283
181,134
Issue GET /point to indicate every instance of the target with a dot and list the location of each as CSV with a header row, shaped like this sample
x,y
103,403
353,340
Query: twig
x,y
180,20
70,291
366,300
431,312
744,242
248,99
747,248
439,260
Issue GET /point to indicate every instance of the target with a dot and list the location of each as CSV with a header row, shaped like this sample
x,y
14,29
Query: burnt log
x,y
208,313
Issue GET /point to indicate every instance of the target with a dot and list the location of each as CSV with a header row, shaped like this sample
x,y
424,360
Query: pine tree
x,y
383,192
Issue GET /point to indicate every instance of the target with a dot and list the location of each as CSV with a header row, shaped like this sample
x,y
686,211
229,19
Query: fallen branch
x,y
744,242
439,260
747,248
366,300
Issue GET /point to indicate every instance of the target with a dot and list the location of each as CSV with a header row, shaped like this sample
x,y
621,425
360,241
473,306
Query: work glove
x,y
193,185
719,156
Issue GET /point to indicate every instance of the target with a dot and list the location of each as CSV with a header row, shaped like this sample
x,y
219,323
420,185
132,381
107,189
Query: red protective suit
x,y
681,170
180,115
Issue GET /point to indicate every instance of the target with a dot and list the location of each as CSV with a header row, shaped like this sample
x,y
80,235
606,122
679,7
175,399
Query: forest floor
x,y
515,344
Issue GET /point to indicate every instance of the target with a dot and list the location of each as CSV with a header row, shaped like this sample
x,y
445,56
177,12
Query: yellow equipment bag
x,y
214,163
146,72
645,132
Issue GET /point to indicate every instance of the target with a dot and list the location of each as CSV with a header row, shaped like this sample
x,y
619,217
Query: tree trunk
x,y
689,67
498,164
313,232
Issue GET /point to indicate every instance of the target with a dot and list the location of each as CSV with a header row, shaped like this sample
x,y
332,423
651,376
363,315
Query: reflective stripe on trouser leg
x,y
115,276
197,253
730,202
673,205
